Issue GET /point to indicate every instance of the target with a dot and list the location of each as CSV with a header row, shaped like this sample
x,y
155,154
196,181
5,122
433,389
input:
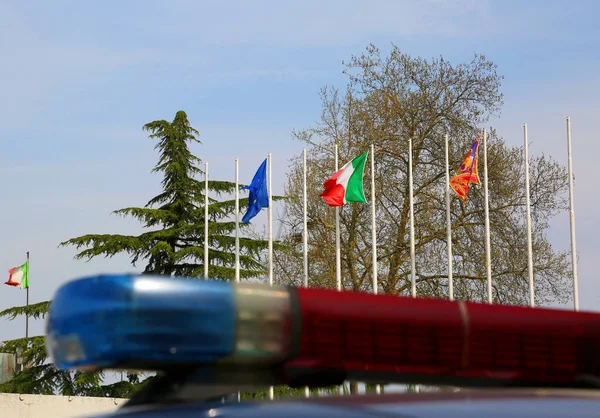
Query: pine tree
x,y
172,244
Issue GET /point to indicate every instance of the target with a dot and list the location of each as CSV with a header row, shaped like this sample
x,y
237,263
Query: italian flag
x,y
19,276
346,185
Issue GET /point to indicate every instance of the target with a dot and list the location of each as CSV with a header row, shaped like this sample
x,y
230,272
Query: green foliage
x,y
122,389
32,350
287,392
369,388
172,243
35,311
173,240
42,378
47,380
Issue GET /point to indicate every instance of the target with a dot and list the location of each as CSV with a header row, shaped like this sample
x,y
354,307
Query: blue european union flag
x,y
259,196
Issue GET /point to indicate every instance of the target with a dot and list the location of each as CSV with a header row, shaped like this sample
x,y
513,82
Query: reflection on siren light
x,y
149,285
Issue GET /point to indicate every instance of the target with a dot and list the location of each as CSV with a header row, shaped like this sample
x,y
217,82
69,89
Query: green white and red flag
x,y
346,185
19,276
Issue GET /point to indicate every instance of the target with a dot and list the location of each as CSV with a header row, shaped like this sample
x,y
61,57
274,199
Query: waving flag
x,y
18,276
259,196
467,172
346,185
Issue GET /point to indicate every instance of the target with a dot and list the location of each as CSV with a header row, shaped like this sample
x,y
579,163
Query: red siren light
x,y
431,340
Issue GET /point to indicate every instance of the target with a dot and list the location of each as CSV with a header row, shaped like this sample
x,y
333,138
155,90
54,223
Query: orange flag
x,y
467,172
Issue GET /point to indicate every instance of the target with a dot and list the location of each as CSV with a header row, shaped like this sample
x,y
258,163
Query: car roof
x,y
465,403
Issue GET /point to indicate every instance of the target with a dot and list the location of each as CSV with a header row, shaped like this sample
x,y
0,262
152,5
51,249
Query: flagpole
x,y
488,257
373,220
206,220
412,221
270,216
237,232
449,225
305,235
374,232
572,216
305,220
528,214
237,222
413,273
27,300
338,255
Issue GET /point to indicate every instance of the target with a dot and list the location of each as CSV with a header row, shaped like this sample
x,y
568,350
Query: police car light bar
x,y
152,323
157,323
447,342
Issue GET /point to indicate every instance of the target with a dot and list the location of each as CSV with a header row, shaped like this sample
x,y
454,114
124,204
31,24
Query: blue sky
x,y
79,79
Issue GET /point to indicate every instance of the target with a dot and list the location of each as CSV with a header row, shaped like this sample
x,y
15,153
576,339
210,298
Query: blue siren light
x,y
154,322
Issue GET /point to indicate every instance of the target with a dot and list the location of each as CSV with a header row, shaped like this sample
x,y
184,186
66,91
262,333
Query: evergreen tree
x,y
174,241
172,244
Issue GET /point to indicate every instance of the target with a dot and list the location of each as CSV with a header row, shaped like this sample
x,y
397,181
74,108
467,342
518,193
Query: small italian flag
x,y
19,276
346,185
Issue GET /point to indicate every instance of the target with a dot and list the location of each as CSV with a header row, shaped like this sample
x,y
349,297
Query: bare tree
x,y
388,100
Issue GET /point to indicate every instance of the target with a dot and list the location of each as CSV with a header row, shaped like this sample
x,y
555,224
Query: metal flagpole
x,y
206,220
449,226
572,214
374,232
27,300
338,254
237,233
305,220
270,215
305,235
528,214
412,222
373,218
488,256
237,222
413,273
